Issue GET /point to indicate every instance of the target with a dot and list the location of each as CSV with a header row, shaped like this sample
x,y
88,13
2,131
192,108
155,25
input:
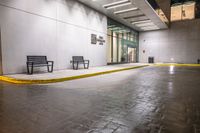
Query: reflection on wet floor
x,y
147,100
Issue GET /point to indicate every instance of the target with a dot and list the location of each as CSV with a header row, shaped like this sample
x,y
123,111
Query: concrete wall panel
x,y
56,28
178,44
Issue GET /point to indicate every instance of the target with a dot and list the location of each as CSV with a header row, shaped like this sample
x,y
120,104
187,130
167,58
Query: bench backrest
x,y
37,59
77,58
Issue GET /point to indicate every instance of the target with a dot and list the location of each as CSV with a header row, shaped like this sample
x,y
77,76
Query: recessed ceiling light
x,y
142,21
134,16
144,24
117,4
150,28
126,10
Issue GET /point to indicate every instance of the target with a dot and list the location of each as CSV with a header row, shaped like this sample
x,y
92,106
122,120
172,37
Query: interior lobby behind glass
x,y
122,43
185,10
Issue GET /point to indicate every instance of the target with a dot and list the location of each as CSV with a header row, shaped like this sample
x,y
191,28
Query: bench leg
x,y
52,68
73,65
86,65
77,66
32,69
28,69
48,69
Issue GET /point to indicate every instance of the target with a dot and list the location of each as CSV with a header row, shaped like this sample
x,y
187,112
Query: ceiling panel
x,y
132,13
119,11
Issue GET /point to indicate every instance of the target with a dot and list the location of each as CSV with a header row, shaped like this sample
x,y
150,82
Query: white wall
x,y
180,43
59,29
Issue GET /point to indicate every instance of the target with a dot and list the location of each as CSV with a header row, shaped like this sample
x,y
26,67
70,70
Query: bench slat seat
x,y
79,60
38,61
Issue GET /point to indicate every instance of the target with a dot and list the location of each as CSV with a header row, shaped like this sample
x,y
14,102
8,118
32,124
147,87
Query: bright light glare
x,y
171,69
117,4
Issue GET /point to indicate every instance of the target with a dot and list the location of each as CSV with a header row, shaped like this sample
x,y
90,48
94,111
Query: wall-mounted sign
x,y
101,40
95,40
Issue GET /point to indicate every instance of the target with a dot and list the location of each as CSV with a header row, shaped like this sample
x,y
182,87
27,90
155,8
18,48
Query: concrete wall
x,y
56,28
180,43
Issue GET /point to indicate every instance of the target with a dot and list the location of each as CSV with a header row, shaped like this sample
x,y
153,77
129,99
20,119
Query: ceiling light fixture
x,y
147,26
135,16
144,24
150,28
143,21
125,11
117,4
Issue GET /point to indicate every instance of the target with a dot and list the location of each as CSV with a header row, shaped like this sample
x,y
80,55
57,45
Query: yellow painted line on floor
x,y
178,65
24,81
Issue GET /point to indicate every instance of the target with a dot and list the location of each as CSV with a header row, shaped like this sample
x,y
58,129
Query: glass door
x,y
122,43
124,54
132,53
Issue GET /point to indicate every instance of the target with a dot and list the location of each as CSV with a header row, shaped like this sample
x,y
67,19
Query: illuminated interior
x,y
122,43
183,11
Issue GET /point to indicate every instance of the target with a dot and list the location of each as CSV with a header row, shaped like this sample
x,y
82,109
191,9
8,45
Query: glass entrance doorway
x,y
132,53
122,43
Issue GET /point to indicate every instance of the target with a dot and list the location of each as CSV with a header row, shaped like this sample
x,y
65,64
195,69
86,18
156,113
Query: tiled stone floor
x,y
147,100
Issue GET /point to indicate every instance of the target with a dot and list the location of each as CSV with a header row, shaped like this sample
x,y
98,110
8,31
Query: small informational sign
x,y
101,40
95,39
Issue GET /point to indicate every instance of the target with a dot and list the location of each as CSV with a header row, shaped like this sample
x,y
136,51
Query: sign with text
x,y
95,39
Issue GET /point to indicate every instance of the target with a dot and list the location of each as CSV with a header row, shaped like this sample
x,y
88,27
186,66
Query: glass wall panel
x,y
176,13
184,11
188,11
120,48
180,10
115,45
120,40
109,47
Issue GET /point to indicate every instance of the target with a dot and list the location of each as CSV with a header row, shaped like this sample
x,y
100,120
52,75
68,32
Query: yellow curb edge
x,y
24,81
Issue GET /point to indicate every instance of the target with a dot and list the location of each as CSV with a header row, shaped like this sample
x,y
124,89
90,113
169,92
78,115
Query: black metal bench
x,y
38,61
79,60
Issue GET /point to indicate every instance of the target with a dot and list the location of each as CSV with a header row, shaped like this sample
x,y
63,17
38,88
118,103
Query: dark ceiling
x,y
154,4
181,1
